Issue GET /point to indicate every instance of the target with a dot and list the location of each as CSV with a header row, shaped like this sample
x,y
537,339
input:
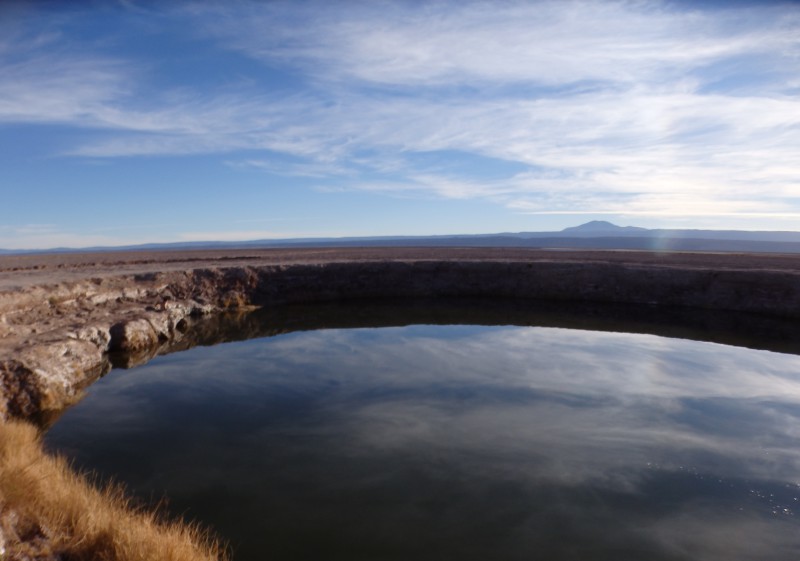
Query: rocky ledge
x,y
58,337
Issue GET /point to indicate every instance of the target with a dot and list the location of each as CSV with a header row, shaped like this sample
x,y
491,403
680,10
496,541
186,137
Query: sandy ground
x,y
41,269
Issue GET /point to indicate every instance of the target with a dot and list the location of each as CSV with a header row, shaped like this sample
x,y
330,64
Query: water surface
x,y
460,442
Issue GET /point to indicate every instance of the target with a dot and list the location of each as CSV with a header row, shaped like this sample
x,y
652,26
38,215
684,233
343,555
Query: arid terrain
x,y
48,268
61,314
66,318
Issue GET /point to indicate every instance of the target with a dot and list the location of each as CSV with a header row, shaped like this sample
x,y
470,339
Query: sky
x,y
125,122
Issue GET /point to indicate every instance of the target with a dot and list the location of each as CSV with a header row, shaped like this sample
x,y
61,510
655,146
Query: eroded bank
x,y
57,338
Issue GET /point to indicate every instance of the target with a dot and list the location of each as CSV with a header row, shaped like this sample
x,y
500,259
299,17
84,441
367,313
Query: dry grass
x,y
48,511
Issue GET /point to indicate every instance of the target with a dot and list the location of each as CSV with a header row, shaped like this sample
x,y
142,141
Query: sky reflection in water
x,y
461,442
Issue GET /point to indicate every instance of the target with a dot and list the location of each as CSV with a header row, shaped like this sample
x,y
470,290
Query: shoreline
x,y
62,314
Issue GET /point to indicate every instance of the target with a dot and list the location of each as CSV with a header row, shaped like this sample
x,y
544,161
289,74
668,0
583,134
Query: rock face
x,y
56,339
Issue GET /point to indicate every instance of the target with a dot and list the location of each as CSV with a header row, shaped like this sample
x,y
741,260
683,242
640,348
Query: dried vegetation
x,y
49,512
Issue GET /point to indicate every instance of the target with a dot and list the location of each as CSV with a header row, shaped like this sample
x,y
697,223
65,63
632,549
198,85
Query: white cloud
x,y
235,235
59,89
547,42
293,169
612,105
46,236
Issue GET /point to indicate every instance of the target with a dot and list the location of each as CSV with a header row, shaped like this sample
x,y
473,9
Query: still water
x,y
461,442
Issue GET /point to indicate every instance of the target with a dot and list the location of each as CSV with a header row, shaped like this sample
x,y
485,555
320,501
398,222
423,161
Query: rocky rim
x,y
63,316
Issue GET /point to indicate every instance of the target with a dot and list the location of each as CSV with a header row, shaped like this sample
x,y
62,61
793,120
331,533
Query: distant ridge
x,y
597,234
601,226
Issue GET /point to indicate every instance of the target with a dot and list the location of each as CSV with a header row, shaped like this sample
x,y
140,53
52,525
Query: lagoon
x,y
459,441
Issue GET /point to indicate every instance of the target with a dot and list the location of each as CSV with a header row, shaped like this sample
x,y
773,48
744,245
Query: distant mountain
x,y
597,234
602,227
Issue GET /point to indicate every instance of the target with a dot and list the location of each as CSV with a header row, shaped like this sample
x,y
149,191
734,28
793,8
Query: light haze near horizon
x,y
134,122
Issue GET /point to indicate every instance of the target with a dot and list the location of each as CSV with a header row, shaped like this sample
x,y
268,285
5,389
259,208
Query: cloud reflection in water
x,y
461,442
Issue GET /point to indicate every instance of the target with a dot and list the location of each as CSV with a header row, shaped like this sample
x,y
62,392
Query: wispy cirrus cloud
x,y
42,236
59,89
637,108
547,42
236,235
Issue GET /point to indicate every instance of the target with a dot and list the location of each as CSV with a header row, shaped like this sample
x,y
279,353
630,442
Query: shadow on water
x,y
727,328
724,327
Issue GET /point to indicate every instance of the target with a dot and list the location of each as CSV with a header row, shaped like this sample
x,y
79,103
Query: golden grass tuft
x,y
47,510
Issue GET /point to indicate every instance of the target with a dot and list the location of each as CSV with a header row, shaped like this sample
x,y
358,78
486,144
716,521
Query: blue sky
x,y
131,122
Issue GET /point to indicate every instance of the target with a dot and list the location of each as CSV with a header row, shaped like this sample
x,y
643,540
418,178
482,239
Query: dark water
x,y
460,442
